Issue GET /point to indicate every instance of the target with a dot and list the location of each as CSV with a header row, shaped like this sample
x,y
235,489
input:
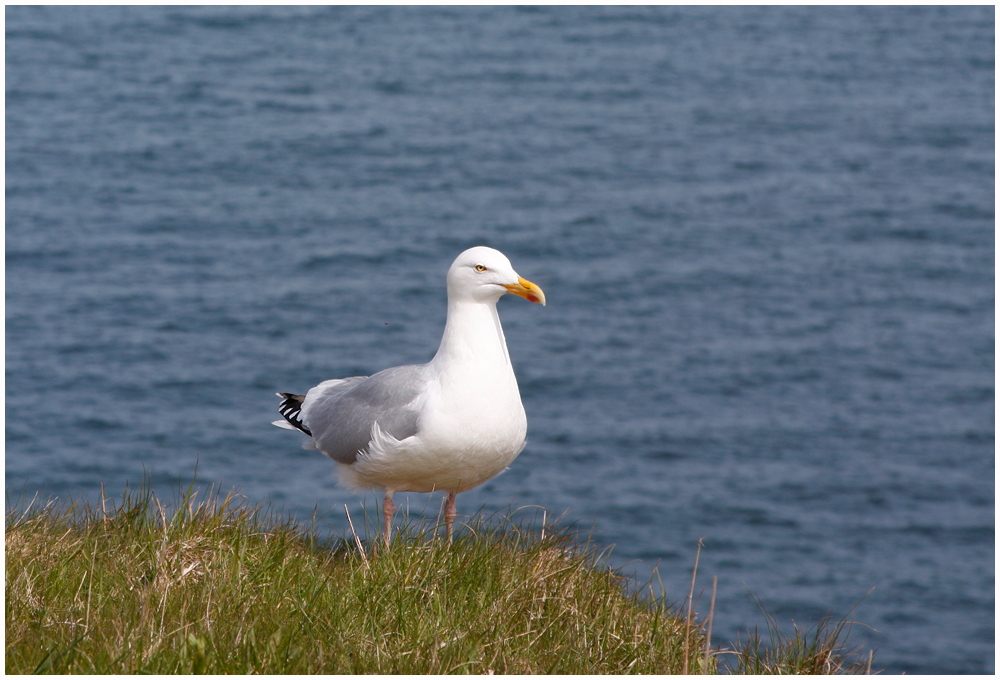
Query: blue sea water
x,y
766,236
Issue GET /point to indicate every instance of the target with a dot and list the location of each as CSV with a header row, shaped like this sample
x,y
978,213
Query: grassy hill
x,y
219,587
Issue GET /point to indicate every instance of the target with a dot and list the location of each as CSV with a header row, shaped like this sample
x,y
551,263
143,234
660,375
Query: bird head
x,y
483,274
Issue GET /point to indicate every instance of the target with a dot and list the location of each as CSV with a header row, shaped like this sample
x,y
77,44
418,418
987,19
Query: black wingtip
x,y
291,409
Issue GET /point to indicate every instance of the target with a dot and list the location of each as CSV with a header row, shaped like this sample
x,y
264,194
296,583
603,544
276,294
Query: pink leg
x,y
449,514
388,510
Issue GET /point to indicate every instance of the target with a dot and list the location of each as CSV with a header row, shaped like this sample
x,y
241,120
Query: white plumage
x,y
448,425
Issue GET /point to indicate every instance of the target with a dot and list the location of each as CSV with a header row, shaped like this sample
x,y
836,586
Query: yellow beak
x,y
526,289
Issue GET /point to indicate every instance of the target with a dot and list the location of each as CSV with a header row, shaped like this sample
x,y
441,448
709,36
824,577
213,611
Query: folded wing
x,y
340,414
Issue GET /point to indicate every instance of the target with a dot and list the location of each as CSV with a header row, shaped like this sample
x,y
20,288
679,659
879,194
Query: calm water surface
x,y
766,236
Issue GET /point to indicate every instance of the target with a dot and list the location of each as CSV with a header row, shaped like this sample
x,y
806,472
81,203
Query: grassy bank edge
x,y
219,586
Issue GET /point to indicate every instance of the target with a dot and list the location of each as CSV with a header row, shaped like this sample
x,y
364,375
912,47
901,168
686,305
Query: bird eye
x,y
480,267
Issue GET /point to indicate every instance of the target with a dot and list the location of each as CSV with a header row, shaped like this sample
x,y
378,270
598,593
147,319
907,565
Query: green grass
x,y
219,587
816,650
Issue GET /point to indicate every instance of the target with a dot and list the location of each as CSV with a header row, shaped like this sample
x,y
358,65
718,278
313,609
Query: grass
x,y
816,650
215,586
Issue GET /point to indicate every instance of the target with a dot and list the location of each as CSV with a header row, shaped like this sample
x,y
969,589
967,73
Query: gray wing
x,y
340,413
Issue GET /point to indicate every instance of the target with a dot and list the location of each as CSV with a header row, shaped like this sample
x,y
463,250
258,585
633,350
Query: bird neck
x,y
472,333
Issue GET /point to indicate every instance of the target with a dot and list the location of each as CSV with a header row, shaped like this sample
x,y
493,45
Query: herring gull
x,y
448,425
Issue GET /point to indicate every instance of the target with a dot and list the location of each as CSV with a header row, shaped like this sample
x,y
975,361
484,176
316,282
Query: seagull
x,y
448,425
